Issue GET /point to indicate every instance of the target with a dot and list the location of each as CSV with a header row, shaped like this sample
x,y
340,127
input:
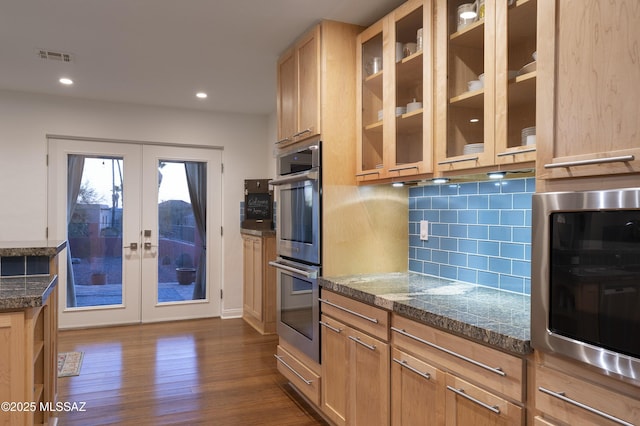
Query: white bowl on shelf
x,y
400,110
414,106
474,85
380,115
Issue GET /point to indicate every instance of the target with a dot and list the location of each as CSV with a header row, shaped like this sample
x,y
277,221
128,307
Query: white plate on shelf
x,y
473,148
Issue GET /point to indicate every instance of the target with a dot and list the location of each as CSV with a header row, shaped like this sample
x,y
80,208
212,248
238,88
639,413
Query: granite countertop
x,y
23,292
31,248
497,318
258,232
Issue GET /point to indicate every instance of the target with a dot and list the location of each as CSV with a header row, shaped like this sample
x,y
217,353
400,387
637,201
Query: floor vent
x,y
54,56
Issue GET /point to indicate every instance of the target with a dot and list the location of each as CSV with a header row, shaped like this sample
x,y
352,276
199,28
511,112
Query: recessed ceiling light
x,y
66,81
201,95
474,120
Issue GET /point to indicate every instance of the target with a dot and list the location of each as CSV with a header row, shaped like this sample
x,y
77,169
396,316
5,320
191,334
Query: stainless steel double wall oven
x,y
298,234
585,270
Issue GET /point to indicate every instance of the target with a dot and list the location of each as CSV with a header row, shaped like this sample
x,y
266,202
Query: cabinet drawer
x,y
467,404
367,318
576,401
305,380
495,370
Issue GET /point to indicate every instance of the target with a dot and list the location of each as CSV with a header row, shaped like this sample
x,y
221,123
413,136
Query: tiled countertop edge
x,y
489,337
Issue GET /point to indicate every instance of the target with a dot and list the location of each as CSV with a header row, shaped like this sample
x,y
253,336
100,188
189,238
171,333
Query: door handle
x,y
132,246
147,236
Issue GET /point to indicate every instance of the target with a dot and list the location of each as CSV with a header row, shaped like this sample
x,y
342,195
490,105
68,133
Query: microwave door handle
x,y
302,272
298,177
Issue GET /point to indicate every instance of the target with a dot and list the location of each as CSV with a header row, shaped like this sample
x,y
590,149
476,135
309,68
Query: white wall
x,y
26,119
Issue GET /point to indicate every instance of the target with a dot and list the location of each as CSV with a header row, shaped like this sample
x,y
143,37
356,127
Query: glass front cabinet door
x,y
395,95
485,83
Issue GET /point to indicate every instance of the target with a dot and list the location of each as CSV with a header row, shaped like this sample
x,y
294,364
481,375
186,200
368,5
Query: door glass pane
x,y
296,297
297,212
181,253
94,231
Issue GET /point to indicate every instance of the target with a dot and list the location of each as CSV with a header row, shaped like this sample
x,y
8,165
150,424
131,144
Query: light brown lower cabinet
x,y
355,372
355,364
28,363
471,384
335,370
259,282
300,372
417,391
564,399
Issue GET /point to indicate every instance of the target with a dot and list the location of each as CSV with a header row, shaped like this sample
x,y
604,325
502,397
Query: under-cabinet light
x,y
496,175
440,180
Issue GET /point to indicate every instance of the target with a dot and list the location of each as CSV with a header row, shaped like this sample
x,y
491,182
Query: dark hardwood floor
x,y
211,371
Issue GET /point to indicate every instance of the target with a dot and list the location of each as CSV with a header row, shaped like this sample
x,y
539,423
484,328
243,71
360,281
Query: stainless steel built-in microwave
x,y
585,273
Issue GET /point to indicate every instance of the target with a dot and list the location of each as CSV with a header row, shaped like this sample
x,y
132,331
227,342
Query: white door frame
x,y
57,228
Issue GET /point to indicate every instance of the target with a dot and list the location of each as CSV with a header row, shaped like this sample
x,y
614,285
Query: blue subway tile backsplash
x,y
479,232
11,266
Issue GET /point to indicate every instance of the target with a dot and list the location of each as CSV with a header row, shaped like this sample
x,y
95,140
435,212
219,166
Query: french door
x,y
143,229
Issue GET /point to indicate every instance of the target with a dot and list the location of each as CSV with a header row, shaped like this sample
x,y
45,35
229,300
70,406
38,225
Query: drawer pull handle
x,y
283,140
496,370
461,392
620,159
349,311
406,365
295,135
458,160
330,327
522,151
367,174
399,169
279,358
366,345
561,396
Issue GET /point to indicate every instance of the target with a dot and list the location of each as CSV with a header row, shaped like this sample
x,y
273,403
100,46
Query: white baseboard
x,y
231,313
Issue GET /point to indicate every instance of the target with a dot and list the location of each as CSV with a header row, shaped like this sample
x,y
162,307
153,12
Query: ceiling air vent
x,y
54,56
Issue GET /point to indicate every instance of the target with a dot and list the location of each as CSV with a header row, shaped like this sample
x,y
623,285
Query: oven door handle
x,y
306,274
298,177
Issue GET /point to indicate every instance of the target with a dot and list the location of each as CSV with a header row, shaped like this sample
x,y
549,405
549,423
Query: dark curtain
x,y
74,179
197,183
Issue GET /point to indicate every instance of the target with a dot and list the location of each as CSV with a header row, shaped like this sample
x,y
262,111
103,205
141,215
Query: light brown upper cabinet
x,y
589,88
299,89
485,86
394,95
